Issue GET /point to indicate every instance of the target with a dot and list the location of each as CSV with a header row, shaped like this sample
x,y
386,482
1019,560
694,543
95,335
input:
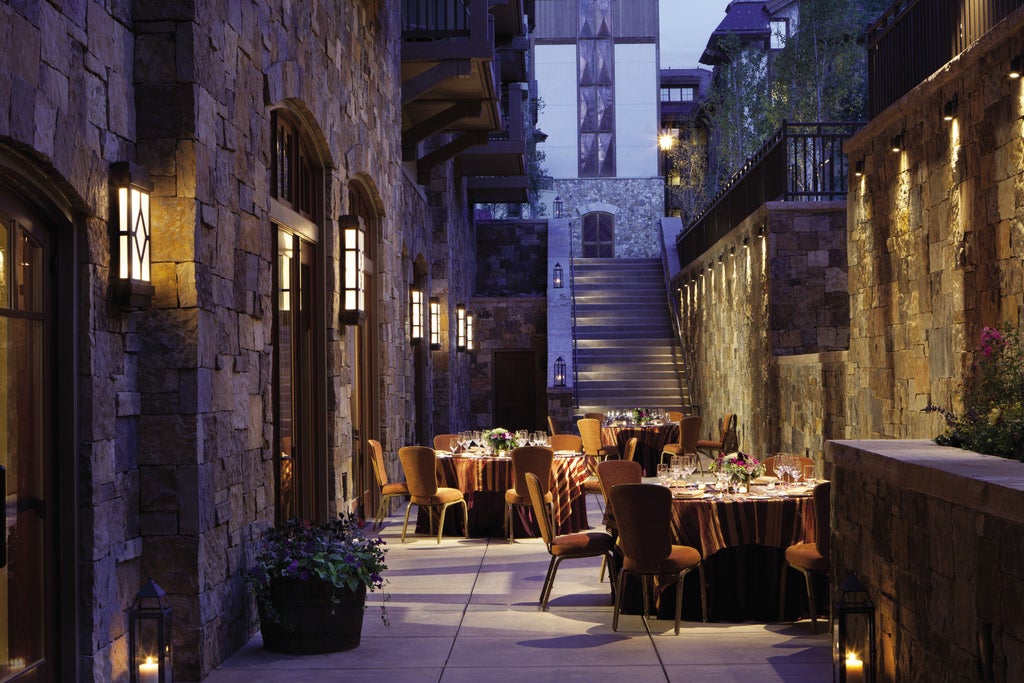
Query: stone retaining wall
x,y
934,533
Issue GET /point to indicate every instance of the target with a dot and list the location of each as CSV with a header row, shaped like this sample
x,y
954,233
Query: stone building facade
x,y
637,205
164,420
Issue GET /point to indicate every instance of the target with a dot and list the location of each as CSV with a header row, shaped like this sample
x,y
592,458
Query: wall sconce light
x,y
711,266
557,275
858,168
949,108
149,636
1016,67
435,323
746,242
416,315
896,143
559,372
558,206
354,295
732,250
460,328
853,645
130,190
469,331
760,230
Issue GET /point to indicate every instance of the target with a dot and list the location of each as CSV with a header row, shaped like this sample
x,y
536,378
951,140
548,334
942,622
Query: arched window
x,y
297,190
598,235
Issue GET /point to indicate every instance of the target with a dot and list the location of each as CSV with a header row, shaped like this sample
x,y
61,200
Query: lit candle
x,y
854,669
149,671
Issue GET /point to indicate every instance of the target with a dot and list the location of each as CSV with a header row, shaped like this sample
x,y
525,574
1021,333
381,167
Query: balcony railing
x,y
915,38
435,19
799,162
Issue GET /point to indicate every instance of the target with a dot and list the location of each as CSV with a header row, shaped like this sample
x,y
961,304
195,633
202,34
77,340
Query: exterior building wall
x,y
555,69
637,204
636,110
936,236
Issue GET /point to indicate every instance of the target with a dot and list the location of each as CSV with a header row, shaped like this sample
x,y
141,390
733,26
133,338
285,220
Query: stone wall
x,y
511,258
754,298
637,204
936,237
933,533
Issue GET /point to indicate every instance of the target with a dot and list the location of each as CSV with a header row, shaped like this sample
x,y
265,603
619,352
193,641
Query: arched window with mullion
x,y
598,235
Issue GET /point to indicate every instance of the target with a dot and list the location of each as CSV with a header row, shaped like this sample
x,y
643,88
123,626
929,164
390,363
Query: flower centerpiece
x,y
642,415
310,583
739,466
500,440
992,420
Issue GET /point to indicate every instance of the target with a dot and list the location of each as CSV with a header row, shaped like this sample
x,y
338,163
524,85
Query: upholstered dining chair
x,y
527,459
442,442
728,441
420,466
600,417
772,461
642,516
593,485
387,489
566,442
590,431
564,547
674,415
811,557
689,434
612,473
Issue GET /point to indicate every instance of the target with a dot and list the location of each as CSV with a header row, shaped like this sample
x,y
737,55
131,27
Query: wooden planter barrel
x,y
309,621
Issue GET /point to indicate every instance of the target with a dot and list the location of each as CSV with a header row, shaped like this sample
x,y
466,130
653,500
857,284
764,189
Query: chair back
x,y
590,433
595,416
611,473
540,508
642,516
823,517
535,460
442,442
566,442
675,416
420,466
630,450
379,469
689,433
552,427
727,428
771,461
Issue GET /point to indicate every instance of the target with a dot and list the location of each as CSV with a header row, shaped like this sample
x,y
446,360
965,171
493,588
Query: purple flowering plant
x,y
338,552
992,419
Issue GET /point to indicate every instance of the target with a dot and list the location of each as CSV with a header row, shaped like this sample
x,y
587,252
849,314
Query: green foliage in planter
x,y
338,552
992,420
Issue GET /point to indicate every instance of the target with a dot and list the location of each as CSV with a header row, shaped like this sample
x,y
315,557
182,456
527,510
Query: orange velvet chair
x,y
420,466
534,460
811,557
387,489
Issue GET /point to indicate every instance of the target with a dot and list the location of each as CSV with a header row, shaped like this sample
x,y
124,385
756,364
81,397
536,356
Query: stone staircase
x,y
627,353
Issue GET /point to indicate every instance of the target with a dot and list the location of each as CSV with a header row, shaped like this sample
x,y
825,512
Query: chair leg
x,y
604,563
440,525
542,603
808,580
782,590
508,522
551,581
679,597
703,593
380,513
644,579
618,600
406,524
465,517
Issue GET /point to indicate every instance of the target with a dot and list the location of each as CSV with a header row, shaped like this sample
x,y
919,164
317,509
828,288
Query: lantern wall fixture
x,y
353,309
557,275
129,210
854,654
469,331
558,206
896,143
435,323
1016,66
950,107
559,372
416,315
460,328
149,636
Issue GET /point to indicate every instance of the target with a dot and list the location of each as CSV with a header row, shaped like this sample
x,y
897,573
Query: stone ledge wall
x,y
934,533
812,393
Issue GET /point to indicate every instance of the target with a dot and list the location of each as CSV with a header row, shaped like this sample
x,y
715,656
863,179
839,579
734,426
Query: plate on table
x,y
685,494
764,480
800,491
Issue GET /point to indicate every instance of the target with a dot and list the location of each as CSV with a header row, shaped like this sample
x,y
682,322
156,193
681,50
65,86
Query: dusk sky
x,y
685,28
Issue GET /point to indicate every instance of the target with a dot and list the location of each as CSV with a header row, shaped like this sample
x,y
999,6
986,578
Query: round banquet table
x,y
484,479
651,439
743,541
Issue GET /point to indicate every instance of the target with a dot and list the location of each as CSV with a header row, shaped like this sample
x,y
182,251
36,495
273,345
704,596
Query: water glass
x,y
676,467
663,473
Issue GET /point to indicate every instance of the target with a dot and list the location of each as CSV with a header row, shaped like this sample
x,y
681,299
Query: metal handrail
x,y
572,293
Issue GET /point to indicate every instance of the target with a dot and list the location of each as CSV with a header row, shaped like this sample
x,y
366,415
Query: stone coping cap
x,y
987,483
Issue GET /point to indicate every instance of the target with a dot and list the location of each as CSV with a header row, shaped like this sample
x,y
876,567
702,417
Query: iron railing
x,y
915,38
575,364
799,162
435,19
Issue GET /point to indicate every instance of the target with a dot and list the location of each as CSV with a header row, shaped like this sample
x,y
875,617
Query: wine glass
x,y
453,444
689,464
663,473
795,472
676,467
782,467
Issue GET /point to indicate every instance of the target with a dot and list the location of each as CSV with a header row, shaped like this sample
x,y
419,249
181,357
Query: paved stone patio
x,y
466,610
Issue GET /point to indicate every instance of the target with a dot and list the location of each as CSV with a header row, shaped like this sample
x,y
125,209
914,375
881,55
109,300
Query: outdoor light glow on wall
x,y
858,168
354,294
557,206
149,636
1016,67
469,331
435,323
853,639
556,276
559,372
460,328
416,315
896,143
129,211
